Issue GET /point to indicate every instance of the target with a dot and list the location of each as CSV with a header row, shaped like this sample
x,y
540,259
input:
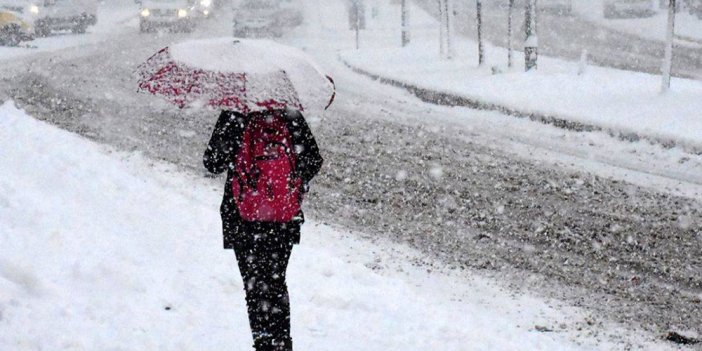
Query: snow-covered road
x,y
116,17
580,214
104,250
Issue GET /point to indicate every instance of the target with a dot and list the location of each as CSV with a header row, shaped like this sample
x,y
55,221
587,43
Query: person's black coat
x,y
219,157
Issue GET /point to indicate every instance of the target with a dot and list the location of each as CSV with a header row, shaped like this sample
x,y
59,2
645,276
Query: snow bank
x,y
105,251
619,101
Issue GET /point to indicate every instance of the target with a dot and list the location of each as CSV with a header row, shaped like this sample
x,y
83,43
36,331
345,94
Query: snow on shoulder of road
x,y
107,251
620,102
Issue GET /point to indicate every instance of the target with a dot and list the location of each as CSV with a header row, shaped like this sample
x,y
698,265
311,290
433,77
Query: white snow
x,y
236,55
619,101
326,33
259,59
94,245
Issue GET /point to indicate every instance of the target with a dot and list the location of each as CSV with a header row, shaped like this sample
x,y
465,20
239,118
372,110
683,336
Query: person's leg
x,y
263,263
248,261
277,293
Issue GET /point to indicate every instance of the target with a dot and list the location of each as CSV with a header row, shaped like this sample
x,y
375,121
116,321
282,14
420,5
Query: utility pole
x,y
358,27
531,45
442,42
405,24
510,36
670,36
481,47
448,11
445,47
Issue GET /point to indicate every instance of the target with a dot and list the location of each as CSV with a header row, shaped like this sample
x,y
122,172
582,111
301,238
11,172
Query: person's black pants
x,y
263,260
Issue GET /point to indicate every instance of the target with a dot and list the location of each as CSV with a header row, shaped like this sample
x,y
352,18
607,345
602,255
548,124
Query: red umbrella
x,y
236,74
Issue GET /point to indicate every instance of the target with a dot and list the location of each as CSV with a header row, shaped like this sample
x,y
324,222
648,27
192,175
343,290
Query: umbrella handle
x,y
331,100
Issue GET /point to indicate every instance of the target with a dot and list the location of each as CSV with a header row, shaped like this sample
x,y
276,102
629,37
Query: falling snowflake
x,y
436,172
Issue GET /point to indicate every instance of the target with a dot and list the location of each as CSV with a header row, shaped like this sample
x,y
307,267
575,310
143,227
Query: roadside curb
x,y
450,99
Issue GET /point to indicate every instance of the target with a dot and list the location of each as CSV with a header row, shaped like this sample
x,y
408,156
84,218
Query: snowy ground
x,y
110,251
620,102
589,212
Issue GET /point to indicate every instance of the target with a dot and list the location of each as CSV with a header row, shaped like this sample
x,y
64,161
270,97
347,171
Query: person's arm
x,y
223,143
309,160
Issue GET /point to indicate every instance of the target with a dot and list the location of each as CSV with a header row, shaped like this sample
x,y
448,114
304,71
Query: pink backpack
x,y
265,186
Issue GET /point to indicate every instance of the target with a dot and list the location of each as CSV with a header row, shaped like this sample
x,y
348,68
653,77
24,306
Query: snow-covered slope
x,y
106,251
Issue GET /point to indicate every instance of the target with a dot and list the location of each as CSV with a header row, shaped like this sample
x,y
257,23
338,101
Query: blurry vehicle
x,y
177,15
257,18
49,15
74,15
13,27
561,7
629,8
203,8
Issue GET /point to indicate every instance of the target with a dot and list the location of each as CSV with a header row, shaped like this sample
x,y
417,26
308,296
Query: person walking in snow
x,y
270,158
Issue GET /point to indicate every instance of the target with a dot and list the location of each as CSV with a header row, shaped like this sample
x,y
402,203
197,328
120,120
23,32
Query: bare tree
x,y
448,11
481,47
442,41
445,47
405,24
670,36
510,35
531,45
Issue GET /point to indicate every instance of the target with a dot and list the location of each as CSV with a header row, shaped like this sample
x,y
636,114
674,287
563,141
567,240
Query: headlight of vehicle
x,y
145,13
182,13
34,9
206,12
206,3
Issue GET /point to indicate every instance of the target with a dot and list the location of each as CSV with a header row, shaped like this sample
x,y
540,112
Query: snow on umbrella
x,y
236,74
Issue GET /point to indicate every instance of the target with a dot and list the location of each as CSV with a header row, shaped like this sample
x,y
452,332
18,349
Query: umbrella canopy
x,y
237,74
